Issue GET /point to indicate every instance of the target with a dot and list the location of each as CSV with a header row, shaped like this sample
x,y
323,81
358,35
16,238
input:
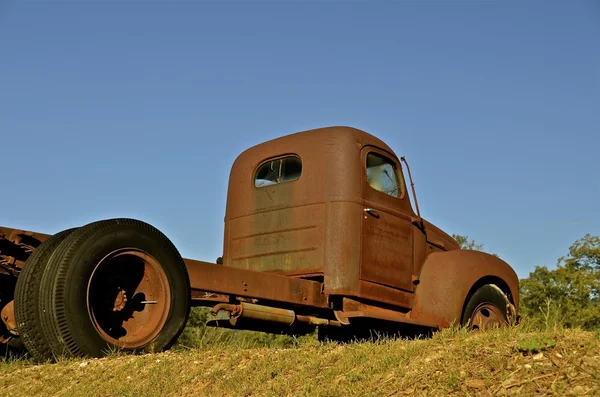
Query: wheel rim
x,y
486,316
128,298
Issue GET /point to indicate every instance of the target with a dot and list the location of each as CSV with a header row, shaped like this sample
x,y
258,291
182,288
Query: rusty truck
x,y
319,234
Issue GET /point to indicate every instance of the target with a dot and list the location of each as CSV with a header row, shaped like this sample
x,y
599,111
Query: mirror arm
x,y
412,185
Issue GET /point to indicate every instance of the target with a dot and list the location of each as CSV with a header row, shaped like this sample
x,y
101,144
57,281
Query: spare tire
x,y
117,284
27,292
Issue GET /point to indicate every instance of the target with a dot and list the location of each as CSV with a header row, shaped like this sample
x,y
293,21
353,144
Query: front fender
x,y
447,278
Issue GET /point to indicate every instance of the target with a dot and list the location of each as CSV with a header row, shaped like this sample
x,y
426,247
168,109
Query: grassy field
x,y
509,361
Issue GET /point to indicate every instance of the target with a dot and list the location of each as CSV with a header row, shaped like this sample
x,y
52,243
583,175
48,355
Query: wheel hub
x,y
485,316
120,300
136,313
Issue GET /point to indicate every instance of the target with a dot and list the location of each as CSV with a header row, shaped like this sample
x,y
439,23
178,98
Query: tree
x,y
466,244
570,293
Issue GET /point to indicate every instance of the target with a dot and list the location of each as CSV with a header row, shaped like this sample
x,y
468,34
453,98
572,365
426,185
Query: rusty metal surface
x,y
380,258
387,233
268,314
312,320
207,298
355,309
485,316
305,226
233,309
438,237
256,312
387,256
265,313
447,278
382,293
18,236
220,279
128,298
342,256
388,296
414,193
288,240
8,317
15,247
314,224
318,223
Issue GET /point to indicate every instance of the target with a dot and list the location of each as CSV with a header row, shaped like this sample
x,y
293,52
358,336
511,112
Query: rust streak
x,y
278,208
291,229
271,253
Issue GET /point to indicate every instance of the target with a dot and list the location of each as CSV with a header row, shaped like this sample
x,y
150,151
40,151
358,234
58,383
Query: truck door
x,y
387,231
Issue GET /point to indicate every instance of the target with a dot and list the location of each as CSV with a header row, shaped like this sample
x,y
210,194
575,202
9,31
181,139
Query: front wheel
x,y
487,308
114,284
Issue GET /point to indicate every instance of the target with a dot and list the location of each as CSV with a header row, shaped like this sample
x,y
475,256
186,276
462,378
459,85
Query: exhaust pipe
x,y
268,314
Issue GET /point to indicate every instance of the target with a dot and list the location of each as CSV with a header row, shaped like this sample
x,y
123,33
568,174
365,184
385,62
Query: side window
x,y
279,170
382,175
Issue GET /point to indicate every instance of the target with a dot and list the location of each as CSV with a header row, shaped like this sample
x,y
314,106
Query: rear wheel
x,y
487,308
27,292
114,284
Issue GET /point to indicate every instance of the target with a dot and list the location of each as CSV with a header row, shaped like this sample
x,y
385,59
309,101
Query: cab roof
x,y
316,137
330,160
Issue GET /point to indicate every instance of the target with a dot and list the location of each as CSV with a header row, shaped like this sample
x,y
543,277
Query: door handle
x,y
372,212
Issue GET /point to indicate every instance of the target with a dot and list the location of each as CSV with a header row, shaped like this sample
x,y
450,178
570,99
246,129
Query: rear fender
x,y
448,279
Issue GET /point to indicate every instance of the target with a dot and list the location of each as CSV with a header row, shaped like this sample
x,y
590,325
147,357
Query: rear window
x,y
283,169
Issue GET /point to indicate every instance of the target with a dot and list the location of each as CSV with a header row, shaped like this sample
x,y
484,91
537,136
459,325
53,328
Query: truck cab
x,y
329,204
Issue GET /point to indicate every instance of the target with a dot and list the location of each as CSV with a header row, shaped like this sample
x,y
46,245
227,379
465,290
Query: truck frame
x,y
319,232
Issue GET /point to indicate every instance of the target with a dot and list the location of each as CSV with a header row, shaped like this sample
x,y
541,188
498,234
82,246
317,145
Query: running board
x,y
354,309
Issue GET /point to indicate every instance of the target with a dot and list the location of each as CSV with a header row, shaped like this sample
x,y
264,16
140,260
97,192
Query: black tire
x,y
487,294
27,293
70,323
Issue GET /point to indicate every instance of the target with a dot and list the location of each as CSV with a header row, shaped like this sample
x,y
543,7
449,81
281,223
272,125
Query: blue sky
x,y
138,109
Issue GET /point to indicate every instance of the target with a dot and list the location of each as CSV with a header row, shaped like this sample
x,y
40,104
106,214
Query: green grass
x,y
534,343
507,361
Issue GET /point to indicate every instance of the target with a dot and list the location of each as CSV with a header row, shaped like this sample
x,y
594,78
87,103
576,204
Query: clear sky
x,y
138,109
